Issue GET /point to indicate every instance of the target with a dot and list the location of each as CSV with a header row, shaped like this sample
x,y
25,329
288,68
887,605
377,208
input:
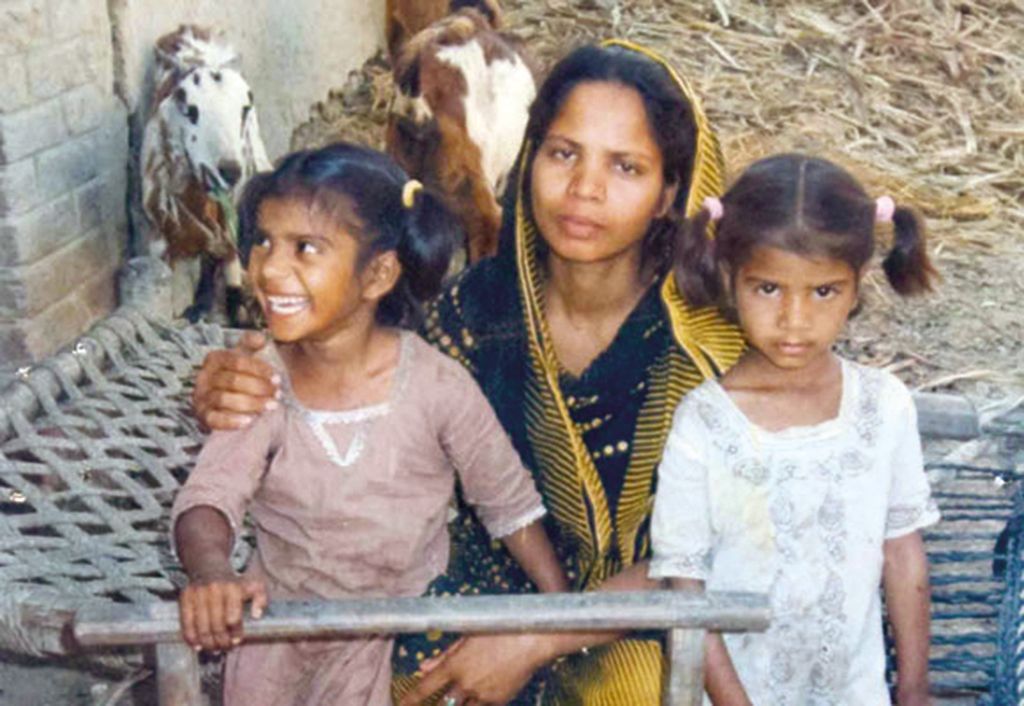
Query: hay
x,y
921,100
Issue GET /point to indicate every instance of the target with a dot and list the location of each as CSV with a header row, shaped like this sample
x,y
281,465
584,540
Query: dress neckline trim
x,y
803,432
356,414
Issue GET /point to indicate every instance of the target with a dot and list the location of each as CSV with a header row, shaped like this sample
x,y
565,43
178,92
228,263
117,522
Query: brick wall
x,y
63,152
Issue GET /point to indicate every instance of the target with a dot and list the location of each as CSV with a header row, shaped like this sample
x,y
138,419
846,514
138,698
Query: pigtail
x,y
695,267
907,265
425,246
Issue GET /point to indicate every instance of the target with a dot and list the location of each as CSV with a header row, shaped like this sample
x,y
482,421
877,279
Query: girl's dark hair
x,y
802,205
361,189
669,115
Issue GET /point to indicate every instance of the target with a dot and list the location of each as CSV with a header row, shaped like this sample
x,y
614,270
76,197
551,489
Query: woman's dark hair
x,y
803,205
362,190
669,115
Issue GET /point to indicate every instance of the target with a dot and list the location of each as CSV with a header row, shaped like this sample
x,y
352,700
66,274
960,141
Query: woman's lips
x,y
579,226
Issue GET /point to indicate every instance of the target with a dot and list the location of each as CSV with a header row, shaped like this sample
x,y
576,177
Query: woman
x,y
578,337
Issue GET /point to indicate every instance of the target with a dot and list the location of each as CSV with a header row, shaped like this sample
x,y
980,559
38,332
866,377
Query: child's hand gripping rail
x,y
685,616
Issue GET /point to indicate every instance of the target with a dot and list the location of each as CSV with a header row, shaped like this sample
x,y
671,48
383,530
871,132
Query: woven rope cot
x,y
1008,684
95,441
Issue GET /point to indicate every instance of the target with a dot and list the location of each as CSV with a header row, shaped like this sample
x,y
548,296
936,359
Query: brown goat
x,y
462,98
406,18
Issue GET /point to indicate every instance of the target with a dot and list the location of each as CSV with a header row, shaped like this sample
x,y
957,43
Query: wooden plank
x,y
177,675
127,624
684,685
946,416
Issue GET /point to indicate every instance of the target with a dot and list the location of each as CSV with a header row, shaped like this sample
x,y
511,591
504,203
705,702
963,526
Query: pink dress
x,y
355,504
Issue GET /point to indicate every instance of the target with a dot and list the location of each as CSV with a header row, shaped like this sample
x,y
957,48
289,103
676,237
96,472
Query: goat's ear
x,y
169,61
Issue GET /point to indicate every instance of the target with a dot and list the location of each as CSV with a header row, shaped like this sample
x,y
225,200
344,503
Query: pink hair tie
x,y
885,207
713,205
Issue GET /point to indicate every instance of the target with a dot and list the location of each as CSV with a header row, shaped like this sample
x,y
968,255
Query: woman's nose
x,y
588,182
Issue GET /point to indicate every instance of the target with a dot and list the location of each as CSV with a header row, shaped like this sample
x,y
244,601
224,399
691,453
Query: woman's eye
x,y
825,291
767,288
562,154
262,242
628,168
307,247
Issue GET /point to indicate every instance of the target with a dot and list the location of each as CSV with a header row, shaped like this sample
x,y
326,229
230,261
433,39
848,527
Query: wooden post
x,y
684,682
177,675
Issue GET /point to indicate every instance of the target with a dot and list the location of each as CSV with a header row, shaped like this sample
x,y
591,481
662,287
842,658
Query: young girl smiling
x,y
799,474
348,481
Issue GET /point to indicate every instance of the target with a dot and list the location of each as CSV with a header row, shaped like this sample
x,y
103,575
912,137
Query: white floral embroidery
x,y
830,493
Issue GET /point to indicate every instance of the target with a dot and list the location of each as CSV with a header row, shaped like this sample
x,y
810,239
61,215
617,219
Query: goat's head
x,y
207,110
210,114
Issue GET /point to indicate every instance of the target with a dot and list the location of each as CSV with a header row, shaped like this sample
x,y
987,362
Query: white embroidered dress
x,y
802,515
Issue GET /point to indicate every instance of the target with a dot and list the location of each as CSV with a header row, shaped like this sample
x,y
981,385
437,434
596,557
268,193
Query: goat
x,y
405,18
462,99
200,146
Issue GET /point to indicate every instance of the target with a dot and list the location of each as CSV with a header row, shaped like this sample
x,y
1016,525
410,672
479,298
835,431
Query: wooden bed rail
x,y
685,616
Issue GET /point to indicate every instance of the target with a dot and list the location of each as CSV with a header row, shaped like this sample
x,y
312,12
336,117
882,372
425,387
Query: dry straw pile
x,y
922,99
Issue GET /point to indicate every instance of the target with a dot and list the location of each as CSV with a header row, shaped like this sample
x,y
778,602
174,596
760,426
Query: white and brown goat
x,y
201,145
406,18
462,99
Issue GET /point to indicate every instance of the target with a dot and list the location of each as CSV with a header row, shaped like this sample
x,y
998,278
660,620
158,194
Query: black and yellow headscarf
x,y
493,321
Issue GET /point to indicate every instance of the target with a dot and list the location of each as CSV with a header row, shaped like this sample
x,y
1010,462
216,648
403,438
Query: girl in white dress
x,y
799,474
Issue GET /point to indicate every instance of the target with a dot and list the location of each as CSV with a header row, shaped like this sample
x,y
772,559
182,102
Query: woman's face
x,y
597,179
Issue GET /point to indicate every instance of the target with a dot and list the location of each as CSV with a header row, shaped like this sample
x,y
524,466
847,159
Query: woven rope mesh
x,y
97,441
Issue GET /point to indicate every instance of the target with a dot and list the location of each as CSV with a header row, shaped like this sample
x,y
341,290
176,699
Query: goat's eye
x,y
245,112
191,112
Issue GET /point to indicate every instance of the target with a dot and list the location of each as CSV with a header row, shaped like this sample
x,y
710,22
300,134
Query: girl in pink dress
x,y
348,478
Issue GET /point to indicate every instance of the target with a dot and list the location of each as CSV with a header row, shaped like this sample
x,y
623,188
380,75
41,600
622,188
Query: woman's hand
x,y
481,669
234,387
211,610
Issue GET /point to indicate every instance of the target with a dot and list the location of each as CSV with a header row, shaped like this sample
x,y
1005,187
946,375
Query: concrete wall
x,y
293,51
74,84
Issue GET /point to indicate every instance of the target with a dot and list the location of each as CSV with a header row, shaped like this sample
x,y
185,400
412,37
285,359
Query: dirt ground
x,y
922,99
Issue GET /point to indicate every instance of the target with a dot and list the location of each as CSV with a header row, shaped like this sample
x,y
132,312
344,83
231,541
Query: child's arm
x,y
211,605
494,480
530,547
205,519
907,597
905,567
720,678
